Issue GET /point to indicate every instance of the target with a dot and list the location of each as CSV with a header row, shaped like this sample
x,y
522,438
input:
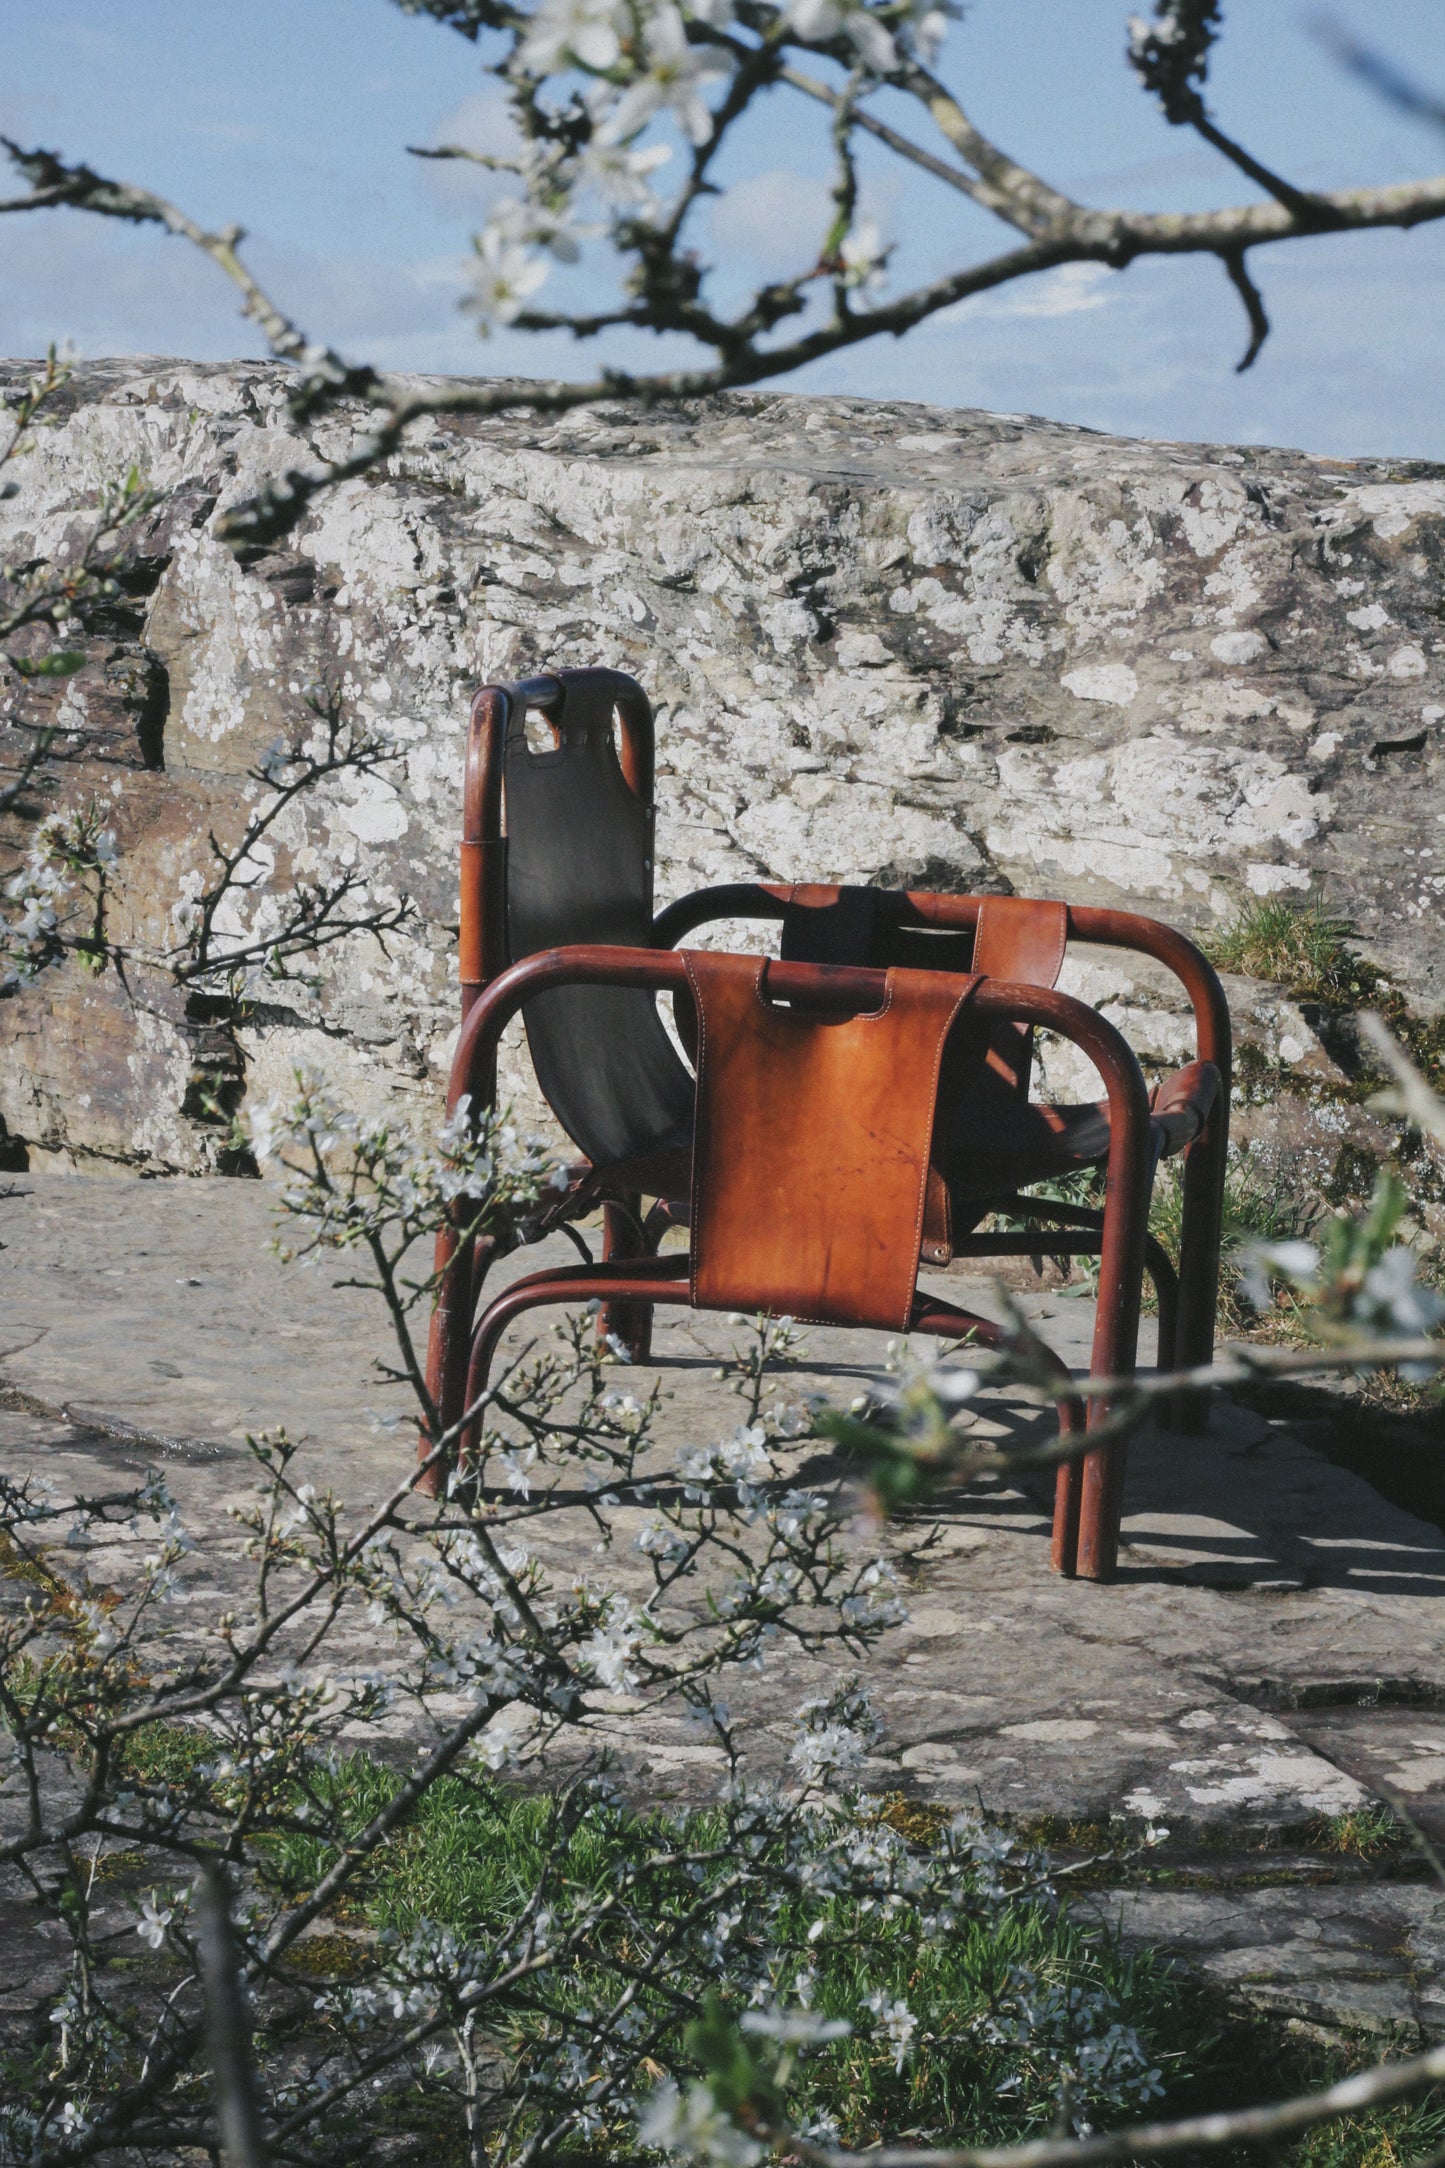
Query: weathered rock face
x,y
886,644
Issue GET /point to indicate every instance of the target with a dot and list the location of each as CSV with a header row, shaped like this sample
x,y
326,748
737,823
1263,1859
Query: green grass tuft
x,y
472,1848
1307,950
1372,1832
1300,946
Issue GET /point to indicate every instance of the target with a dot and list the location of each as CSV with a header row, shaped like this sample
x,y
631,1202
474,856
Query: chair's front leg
x,y
665,1281
1116,1340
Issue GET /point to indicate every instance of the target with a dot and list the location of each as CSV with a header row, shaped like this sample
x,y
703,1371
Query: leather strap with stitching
x,y
1021,939
812,1142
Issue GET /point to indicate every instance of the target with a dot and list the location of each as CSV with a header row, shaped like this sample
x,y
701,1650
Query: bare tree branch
x,y
1239,278
1379,72
1004,187
228,2027
1313,212
666,281
55,183
824,93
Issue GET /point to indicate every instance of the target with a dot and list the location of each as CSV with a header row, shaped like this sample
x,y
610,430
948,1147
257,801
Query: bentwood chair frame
x,y
1190,1111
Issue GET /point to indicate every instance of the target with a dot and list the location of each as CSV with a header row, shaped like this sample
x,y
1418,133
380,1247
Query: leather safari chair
x,y
557,924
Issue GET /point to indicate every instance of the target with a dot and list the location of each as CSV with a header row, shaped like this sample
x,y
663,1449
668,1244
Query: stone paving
x,y
1272,1651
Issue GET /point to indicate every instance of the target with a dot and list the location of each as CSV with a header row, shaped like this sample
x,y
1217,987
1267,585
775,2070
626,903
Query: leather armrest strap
x,y
1182,1104
1023,940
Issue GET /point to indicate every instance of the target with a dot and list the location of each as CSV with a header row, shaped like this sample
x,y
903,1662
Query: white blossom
x,y
99,1631
609,1650
744,1455
581,33
818,21
516,1464
864,257
154,1920
897,2024
676,76
504,275
794,2028
1295,1261
928,25
620,175
1392,1300
692,2123
833,1735
657,1540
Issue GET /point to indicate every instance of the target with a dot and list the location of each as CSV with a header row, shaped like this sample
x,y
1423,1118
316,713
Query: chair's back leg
x,y
628,1323
446,1352
1068,1502
1107,1489
1199,1246
1161,1271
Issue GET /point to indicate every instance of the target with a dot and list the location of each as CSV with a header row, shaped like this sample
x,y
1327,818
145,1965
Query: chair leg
x,y
1069,1493
1199,1246
463,1271
1068,1503
624,1237
446,1349
1116,1341
1166,1296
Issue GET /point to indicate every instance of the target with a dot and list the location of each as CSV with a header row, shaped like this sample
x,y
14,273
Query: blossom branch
x,y
1379,2087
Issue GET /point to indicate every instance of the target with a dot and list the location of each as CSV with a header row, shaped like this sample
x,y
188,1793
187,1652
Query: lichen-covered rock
x,y
886,644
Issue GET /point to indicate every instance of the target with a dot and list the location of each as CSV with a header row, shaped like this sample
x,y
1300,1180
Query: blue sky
x,y
292,117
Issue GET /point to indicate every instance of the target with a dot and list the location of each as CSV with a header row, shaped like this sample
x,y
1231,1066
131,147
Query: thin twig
x,y
1239,278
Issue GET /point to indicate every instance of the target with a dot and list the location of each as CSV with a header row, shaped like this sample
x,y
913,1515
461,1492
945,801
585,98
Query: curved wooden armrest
x,y
843,988
1109,929
731,899
1126,930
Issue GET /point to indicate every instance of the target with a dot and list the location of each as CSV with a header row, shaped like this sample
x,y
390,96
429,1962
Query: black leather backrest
x,y
579,868
863,927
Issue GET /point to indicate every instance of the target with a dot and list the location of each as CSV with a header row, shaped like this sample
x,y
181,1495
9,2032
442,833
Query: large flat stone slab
x,y
1371,1958
1272,1652
1263,1593
887,644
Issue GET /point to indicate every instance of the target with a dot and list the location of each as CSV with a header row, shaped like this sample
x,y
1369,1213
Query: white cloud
x,y
1065,292
775,221
482,122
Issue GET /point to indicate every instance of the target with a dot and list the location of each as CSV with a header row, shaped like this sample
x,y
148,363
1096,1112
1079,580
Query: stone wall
x,y
887,643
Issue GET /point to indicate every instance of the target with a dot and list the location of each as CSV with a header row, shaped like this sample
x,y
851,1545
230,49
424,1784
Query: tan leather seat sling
x,y
811,1147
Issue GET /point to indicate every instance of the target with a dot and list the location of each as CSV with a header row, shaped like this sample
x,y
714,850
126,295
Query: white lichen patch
x,y
1112,682
1393,507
